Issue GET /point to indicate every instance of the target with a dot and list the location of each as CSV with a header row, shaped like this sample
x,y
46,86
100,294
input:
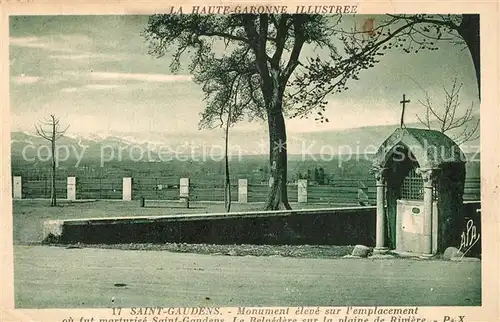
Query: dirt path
x,y
59,277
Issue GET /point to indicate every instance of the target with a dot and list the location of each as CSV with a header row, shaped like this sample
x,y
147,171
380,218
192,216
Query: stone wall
x,y
337,226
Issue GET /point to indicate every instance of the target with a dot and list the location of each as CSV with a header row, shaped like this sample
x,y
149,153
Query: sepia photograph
x,y
246,156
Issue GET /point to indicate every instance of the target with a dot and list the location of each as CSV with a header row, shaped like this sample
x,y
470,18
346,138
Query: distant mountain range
x,y
154,147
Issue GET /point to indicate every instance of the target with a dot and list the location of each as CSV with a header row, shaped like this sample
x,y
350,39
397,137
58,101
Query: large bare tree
x,y
266,53
448,117
261,53
50,130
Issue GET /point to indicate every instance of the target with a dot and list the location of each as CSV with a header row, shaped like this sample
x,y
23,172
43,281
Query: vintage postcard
x,y
245,161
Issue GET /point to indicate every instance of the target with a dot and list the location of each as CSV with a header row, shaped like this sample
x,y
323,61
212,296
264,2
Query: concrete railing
x,y
127,189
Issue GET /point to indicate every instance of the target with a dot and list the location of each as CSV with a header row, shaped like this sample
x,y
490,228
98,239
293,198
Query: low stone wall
x,y
335,226
331,226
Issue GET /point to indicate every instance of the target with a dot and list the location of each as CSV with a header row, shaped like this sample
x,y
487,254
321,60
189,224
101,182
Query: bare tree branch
x,y
446,117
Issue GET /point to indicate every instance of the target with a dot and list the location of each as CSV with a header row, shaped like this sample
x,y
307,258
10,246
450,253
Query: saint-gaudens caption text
x,y
247,314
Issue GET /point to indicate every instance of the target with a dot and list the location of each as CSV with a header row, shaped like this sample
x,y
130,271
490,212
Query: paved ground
x,y
55,277
29,215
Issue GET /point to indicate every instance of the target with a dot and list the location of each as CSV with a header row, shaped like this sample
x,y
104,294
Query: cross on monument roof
x,y
404,101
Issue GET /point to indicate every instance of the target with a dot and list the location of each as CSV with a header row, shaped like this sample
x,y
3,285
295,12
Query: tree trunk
x,y
227,181
469,31
53,201
227,189
277,197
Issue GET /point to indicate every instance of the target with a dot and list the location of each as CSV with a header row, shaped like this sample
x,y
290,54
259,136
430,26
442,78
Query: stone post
x,y
17,188
127,189
184,188
428,176
242,190
302,190
272,174
380,174
71,188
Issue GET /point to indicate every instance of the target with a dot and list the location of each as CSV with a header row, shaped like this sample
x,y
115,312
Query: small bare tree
x,y
228,101
50,130
447,118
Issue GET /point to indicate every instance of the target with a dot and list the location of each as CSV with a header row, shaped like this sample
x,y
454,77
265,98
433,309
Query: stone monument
x,y
420,177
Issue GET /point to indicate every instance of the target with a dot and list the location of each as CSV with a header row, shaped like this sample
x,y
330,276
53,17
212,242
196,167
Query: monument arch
x,y
420,178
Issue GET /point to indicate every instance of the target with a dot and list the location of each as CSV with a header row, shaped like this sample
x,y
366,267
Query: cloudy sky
x,y
94,72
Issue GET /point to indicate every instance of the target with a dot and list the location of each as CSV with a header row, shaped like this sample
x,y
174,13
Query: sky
x,y
95,74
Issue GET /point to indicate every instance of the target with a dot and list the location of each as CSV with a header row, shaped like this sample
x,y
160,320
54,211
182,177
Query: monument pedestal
x,y
380,250
426,256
